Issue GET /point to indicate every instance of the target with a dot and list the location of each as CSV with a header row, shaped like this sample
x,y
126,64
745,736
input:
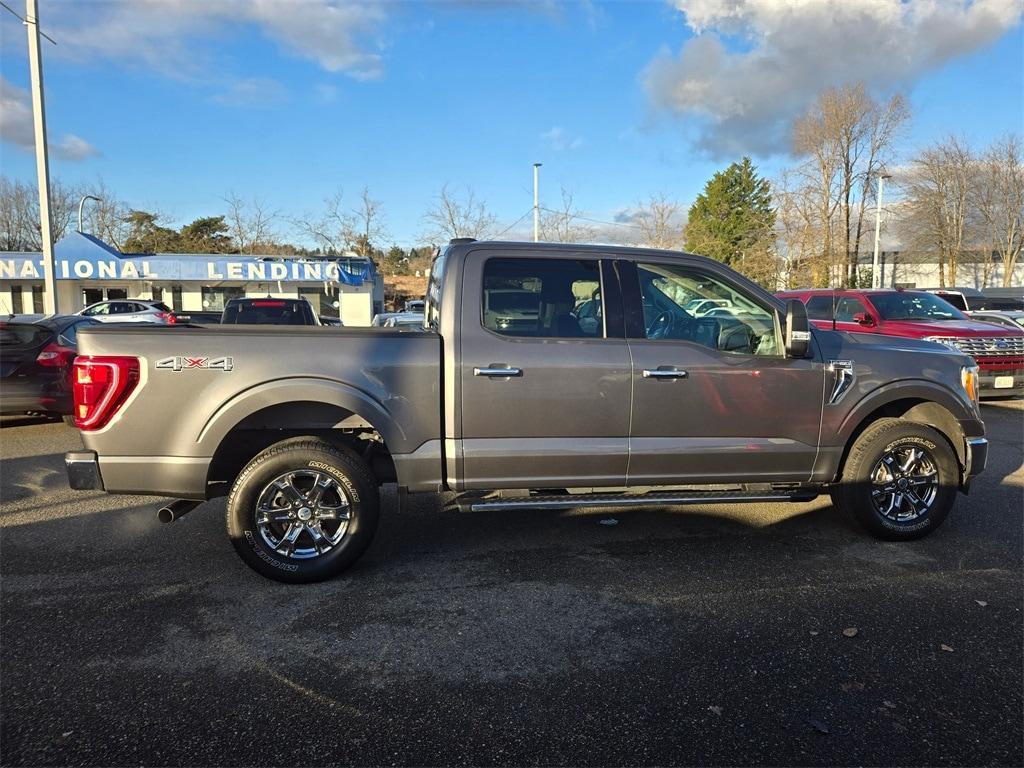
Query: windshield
x,y
914,305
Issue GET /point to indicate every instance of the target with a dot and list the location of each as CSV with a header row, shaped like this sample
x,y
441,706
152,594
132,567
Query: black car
x,y
269,311
35,363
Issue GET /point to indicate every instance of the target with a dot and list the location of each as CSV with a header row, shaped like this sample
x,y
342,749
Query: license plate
x,y
1003,382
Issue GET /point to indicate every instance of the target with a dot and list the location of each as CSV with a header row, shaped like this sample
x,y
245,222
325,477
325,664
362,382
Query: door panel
x,y
736,415
731,418
558,415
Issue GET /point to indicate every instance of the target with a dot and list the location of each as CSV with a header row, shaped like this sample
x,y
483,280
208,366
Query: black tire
x,y
304,456
857,495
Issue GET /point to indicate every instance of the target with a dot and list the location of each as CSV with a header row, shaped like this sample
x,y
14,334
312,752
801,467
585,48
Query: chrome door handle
x,y
664,373
498,371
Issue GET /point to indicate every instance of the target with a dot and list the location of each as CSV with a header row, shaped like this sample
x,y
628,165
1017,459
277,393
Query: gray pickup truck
x,y
550,376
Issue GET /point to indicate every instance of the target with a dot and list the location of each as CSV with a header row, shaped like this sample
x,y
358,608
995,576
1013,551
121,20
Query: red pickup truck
x,y
998,351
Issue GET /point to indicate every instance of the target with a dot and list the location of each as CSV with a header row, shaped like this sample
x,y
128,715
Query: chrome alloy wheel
x,y
904,483
302,513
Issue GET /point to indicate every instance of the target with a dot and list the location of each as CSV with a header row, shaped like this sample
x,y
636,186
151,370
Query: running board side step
x,y
653,499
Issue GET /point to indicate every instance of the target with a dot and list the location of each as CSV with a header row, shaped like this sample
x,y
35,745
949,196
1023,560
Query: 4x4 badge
x,y
185,363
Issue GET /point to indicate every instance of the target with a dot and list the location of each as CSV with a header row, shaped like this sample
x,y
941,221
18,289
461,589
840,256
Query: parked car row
x,y
997,349
248,311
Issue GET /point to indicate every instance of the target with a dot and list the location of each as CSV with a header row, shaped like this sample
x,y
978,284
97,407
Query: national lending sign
x,y
83,257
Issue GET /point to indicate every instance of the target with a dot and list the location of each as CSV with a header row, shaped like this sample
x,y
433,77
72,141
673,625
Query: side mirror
x,y
863,318
798,333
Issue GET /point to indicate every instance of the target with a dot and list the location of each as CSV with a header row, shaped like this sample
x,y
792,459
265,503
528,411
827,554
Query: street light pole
x,y
81,206
536,202
35,61
875,277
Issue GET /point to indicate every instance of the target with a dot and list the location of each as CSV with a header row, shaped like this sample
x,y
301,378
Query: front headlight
x,y
969,381
944,341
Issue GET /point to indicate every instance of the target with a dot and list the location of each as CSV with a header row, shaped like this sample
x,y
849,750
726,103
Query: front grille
x,y
985,346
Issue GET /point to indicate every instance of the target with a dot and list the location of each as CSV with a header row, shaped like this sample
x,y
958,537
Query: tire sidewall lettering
x,y
343,479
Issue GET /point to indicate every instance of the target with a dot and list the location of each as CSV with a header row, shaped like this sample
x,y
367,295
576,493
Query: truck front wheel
x,y
899,480
303,510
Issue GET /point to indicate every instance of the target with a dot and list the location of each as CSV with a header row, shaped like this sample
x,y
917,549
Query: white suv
x,y
130,311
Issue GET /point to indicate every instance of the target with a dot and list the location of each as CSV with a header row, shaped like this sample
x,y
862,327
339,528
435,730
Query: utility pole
x,y
35,61
536,202
875,277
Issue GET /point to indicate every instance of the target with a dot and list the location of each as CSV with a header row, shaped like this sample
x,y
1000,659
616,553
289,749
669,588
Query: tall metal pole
x,y
875,277
81,207
536,202
35,61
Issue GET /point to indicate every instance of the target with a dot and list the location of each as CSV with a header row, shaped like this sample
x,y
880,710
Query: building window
x,y
93,295
16,306
176,298
38,305
325,303
214,299
157,293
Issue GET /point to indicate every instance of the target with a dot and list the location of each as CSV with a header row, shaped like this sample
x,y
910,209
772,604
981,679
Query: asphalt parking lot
x,y
710,636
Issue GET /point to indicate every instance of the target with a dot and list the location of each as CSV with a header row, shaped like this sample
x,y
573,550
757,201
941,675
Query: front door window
x,y
684,304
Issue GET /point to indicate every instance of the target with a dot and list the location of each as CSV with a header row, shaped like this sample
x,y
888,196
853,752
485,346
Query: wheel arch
x,y
921,402
275,411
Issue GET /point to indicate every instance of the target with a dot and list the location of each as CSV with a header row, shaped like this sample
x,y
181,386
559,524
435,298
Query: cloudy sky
x,y
175,103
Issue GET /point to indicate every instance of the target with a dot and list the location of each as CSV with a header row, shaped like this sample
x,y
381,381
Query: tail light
x,y
168,316
265,303
56,356
101,385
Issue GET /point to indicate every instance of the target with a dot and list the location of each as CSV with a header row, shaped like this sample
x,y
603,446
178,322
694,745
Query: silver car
x,y
130,311
1010,318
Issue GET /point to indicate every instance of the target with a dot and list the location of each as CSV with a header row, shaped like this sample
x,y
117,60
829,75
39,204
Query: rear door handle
x,y
507,371
664,373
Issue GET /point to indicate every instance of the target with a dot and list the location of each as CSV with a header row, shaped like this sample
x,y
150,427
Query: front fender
x,y
913,389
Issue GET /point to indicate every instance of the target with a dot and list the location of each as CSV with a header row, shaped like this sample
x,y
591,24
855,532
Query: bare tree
x,y
998,200
846,138
337,230
329,230
365,225
660,221
564,225
938,203
452,216
107,217
250,223
20,224
798,229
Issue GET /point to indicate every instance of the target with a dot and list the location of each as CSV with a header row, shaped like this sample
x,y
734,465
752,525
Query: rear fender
x,y
294,390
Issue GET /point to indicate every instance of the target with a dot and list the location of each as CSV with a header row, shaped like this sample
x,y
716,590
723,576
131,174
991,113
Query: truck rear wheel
x,y
899,481
303,510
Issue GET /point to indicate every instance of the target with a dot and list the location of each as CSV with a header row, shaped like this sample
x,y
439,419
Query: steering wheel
x,y
661,326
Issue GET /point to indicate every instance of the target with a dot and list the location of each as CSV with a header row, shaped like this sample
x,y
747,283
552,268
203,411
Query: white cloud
x,y
73,147
782,53
16,126
560,141
181,38
252,92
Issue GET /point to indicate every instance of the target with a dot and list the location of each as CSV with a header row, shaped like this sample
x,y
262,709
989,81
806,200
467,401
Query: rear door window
x,y
543,298
819,308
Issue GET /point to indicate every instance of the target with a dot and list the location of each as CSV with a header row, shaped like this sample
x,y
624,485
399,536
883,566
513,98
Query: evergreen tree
x,y
733,217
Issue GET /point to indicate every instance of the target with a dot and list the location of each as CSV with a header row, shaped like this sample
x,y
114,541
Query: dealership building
x,y
88,270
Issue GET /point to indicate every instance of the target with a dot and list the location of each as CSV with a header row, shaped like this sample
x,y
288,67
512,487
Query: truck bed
x,y
199,383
